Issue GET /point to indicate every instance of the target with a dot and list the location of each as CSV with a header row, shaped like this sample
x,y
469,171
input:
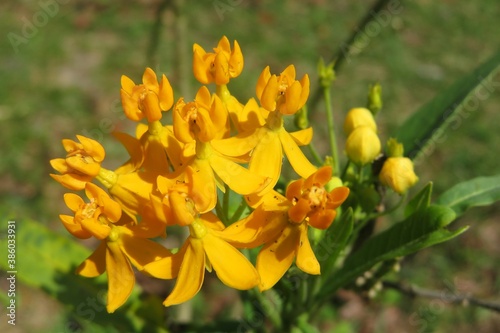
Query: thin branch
x,y
453,298
155,34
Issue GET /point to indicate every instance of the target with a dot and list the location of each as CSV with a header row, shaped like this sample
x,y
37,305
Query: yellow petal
x,y
262,82
269,94
168,267
212,221
71,146
299,162
292,95
306,260
60,165
237,145
289,73
142,251
133,147
230,265
302,137
221,64
127,84
151,107
205,190
256,229
121,278
304,94
191,274
239,179
267,158
93,148
236,62
72,181
150,80
74,228
81,165
277,256
73,201
166,94
95,264
199,68
98,230
130,107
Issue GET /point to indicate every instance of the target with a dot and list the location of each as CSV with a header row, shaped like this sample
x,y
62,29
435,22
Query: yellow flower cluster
x,y
174,174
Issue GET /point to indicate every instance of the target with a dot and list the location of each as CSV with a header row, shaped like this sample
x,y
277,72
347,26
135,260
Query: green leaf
x,y
334,241
481,191
420,201
429,123
422,229
47,261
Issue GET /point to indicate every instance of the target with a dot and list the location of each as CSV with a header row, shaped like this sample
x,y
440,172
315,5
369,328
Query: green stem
x,y
225,202
331,129
241,208
220,213
315,155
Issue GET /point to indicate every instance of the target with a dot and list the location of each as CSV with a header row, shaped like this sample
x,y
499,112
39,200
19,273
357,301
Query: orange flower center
x,y
317,196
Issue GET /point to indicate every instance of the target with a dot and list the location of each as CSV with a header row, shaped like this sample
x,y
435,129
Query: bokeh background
x,y
62,77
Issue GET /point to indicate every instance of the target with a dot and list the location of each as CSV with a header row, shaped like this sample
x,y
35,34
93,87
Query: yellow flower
x,y
198,125
282,92
122,243
397,173
362,145
148,99
220,66
359,117
205,248
281,225
81,165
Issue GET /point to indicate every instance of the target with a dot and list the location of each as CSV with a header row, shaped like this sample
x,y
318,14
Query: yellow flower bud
x,y
397,173
359,117
363,145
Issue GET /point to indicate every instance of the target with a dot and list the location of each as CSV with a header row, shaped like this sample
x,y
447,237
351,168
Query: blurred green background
x,y
61,77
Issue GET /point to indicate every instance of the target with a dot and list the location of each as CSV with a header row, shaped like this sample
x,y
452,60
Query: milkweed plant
x,y
214,173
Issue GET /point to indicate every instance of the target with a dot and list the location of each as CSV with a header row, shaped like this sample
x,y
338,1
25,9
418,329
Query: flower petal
x,y
191,273
95,264
74,228
230,265
306,260
299,162
73,201
167,267
121,277
276,257
267,158
142,251
239,179
302,137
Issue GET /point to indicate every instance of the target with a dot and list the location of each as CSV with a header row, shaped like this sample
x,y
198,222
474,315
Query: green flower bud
x,y
300,118
397,173
363,145
394,148
375,98
326,73
358,117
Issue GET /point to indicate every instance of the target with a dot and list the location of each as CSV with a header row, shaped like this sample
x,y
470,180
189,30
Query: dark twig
x,y
155,34
453,298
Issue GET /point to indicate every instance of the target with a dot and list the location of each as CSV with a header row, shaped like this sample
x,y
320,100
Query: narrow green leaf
x,y
429,123
422,229
481,191
420,201
47,261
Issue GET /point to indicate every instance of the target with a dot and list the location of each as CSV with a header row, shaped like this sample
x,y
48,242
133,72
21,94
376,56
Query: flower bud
x,y
359,117
363,145
397,173
375,98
